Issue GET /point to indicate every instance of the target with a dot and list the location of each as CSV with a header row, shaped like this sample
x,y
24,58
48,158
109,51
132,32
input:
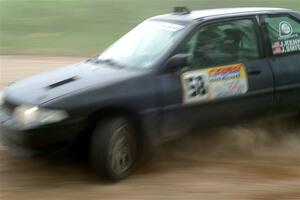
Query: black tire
x,y
298,116
113,149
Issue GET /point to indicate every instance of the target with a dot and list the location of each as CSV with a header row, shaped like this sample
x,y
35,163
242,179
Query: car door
x,y
227,78
282,34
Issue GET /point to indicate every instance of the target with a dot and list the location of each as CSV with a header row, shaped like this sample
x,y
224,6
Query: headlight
x,y
31,116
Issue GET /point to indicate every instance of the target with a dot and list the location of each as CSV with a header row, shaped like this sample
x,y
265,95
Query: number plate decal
x,y
214,83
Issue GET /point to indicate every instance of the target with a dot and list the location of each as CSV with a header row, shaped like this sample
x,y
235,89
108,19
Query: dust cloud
x,y
278,135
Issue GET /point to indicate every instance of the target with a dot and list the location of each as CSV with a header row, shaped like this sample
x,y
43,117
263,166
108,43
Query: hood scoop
x,y
63,82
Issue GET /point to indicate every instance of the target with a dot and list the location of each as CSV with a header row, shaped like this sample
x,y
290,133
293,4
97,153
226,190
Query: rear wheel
x,y
113,148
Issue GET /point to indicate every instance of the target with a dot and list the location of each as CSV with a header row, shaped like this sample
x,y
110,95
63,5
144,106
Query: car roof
x,y
220,12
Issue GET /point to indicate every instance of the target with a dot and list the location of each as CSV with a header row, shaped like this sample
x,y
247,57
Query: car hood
x,y
47,86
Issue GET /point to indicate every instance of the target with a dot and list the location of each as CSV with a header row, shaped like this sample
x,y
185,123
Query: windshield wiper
x,y
93,59
110,62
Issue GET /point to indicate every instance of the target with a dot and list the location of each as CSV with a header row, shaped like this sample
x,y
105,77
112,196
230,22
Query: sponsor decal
x,y
288,41
224,73
285,29
213,83
168,26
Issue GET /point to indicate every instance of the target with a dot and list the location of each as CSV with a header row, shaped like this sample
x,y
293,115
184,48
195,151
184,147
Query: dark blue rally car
x,y
171,73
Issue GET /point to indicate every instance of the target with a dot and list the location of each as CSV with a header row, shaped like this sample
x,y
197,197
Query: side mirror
x,y
176,62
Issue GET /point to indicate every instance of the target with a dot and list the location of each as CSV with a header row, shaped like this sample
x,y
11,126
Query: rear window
x,y
283,33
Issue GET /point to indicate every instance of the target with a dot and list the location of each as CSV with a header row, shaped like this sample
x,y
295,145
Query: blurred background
x,y
255,161
86,27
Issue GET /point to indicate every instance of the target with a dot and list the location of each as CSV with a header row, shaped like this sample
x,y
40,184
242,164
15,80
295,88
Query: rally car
x,y
171,73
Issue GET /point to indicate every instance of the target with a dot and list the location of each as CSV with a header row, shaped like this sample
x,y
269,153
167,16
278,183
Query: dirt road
x,y
256,161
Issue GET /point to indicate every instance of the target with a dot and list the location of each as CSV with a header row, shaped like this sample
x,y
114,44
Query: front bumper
x,y
42,139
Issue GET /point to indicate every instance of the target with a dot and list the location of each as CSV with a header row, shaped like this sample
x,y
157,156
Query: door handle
x,y
253,71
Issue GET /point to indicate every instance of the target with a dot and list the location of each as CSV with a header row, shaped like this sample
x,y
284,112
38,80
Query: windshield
x,y
142,46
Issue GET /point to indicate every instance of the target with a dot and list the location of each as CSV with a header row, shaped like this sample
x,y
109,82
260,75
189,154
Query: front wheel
x,y
113,148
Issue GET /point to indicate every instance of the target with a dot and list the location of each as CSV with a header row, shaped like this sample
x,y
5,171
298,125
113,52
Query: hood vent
x,y
63,82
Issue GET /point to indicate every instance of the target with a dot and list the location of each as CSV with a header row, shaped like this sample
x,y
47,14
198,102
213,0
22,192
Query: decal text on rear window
x,y
288,41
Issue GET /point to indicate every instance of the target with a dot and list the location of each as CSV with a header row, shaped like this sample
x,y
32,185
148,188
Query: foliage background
x,y
85,27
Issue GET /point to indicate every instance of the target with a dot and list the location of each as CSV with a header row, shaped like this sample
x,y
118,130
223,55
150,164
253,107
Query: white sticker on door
x,y
213,83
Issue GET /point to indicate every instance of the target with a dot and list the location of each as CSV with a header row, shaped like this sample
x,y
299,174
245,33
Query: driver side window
x,y
223,43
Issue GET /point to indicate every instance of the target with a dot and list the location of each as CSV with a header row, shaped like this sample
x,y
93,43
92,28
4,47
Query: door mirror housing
x,y
176,62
